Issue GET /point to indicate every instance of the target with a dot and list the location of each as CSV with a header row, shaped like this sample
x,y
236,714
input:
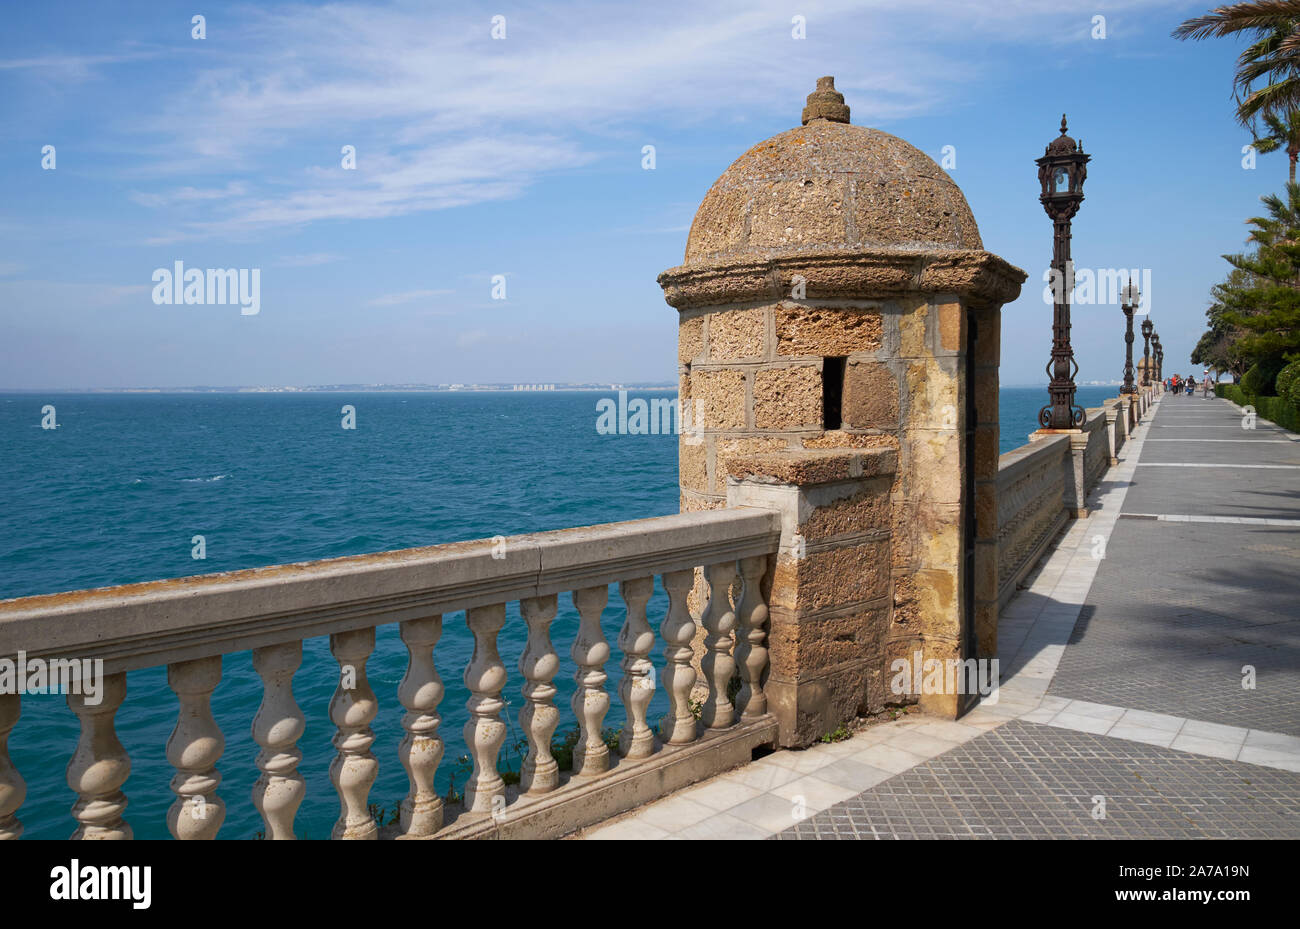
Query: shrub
x,y
1288,383
1286,379
1279,411
1262,377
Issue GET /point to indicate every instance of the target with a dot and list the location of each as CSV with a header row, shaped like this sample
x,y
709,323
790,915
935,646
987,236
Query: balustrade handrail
x,y
160,622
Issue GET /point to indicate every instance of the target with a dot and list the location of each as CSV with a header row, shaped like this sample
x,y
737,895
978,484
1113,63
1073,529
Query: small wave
x,y
204,480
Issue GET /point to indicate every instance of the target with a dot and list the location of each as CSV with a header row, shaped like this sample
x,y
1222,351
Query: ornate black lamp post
x,y
1160,358
1147,328
1061,171
1128,303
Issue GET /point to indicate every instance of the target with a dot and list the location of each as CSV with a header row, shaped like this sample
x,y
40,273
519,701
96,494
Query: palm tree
x,y
1273,57
1281,133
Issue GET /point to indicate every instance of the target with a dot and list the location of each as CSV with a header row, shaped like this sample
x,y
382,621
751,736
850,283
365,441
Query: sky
x,y
484,161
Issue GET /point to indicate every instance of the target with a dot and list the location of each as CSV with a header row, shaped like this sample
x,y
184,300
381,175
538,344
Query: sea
x,y
119,491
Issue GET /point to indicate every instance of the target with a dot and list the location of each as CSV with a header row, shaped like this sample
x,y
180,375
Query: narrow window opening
x,y
832,391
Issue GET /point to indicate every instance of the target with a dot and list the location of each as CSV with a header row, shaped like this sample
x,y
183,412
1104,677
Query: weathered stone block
x,y
808,710
832,578
838,438
870,398
729,448
933,395
864,510
807,648
934,465
735,334
952,326
912,325
690,339
925,603
718,397
692,463
827,331
788,398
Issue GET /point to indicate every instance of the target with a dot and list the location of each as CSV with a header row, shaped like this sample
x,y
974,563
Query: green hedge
x,y
1274,409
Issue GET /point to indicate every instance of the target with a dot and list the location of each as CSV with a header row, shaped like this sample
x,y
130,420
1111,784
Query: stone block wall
x,y
831,586
1031,507
751,381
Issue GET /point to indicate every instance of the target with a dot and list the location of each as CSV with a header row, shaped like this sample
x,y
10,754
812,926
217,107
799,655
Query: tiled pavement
x,y
1026,780
1122,680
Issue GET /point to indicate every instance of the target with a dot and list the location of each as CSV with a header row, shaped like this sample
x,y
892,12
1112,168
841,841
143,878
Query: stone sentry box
x,y
838,361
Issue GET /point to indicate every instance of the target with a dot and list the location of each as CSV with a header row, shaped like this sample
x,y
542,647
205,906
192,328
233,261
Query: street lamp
x,y
1128,303
1160,358
1061,172
1147,328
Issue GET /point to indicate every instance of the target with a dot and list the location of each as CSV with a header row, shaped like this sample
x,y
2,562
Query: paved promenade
x,y
1122,712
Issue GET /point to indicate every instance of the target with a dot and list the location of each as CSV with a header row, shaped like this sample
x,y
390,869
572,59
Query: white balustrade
x,y
717,664
12,787
678,630
352,709
195,745
590,703
751,638
540,773
420,692
278,725
583,564
99,765
485,732
637,687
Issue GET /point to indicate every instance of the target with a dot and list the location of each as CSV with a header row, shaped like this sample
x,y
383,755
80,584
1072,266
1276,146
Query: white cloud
x,y
183,195
308,261
410,295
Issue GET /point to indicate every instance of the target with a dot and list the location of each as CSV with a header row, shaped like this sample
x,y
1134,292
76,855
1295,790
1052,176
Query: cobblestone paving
x,y
1174,612
1178,609
1028,781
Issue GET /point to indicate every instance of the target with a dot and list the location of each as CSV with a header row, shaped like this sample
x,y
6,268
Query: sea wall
x,y
1044,484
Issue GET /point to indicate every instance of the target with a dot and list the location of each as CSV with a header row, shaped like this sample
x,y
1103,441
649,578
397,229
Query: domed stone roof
x,y
829,185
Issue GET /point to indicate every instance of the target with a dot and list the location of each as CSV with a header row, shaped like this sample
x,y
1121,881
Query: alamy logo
x,y
81,676
658,416
103,882
231,286
1099,286
923,675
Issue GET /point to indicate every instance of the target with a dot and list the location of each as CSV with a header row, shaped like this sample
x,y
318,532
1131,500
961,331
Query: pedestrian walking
x,y
1207,386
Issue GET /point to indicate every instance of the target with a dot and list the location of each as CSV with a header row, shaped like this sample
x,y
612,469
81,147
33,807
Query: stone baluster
x,y
12,787
717,664
678,630
99,766
538,718
195,745
420,692
485,732
637,687
278,725
751,638
590,703
352,708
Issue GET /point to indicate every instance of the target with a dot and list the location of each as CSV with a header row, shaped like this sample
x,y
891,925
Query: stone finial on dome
x,y
1062,144
826,103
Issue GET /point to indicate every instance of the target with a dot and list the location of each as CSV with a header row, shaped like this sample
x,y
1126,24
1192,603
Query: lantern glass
x,y
1059,181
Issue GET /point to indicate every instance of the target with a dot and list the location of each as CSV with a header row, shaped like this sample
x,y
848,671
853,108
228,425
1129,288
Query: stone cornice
x,y
875,274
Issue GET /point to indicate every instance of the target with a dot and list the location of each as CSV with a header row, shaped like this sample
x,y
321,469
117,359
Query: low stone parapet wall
x,y
1031,508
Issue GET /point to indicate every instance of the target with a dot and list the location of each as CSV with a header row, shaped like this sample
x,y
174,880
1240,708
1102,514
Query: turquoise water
x,y
116,494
